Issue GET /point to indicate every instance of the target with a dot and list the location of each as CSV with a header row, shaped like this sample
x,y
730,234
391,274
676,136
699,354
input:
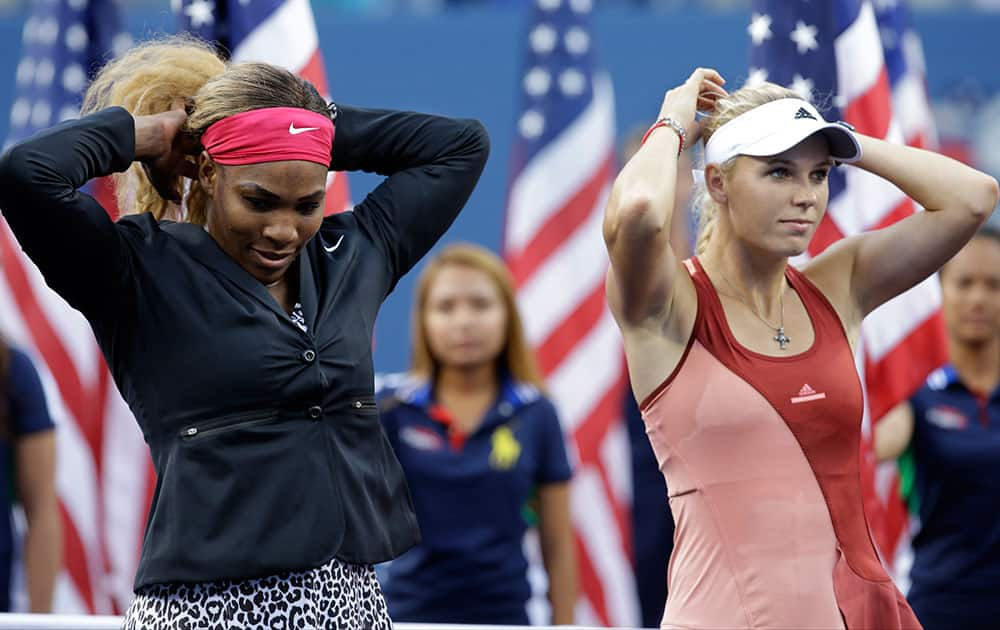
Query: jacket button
x,y
308,356
315,411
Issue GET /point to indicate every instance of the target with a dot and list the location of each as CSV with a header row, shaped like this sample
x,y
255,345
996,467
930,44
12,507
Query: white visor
x,y
776,127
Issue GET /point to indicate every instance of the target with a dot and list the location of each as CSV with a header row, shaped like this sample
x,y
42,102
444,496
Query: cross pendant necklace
x,y
782,339
780,336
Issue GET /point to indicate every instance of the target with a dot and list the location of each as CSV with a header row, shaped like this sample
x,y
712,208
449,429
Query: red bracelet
x,y
667,121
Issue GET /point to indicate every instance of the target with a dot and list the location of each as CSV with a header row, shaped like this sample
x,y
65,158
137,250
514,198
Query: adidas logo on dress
x,y
806,394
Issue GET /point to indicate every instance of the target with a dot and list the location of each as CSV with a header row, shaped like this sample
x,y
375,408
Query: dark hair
x,y
988,230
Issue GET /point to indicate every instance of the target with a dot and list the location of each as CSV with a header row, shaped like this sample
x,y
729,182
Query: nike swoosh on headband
x,y
270,134
292,130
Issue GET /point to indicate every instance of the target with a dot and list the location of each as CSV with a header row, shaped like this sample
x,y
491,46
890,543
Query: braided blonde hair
x,y
726,109
153,76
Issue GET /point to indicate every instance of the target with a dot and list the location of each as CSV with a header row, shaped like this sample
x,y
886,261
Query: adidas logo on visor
x,y
765,131
803,113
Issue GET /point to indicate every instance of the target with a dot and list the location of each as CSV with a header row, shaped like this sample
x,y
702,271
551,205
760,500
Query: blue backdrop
x,y
467,63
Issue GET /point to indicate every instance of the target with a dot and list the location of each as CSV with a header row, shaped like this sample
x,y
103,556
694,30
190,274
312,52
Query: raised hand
x,y
699,93
162,146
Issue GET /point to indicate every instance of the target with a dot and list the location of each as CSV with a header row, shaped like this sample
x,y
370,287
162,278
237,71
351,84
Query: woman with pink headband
x,y
745,364
237,320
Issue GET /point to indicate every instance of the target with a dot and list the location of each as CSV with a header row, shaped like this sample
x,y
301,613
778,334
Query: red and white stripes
x,y
903,340
96,451
554,247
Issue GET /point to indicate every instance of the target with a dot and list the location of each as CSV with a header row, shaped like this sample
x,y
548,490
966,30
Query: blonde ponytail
x,y
708,212
150,79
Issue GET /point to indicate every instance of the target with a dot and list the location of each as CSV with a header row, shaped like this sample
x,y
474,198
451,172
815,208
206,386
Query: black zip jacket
x,y
268,450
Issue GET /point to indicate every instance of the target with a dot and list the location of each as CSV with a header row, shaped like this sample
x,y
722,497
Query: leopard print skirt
x,y
334,596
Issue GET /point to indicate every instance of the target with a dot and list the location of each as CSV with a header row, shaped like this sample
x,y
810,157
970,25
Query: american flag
x,y
832,52
280,32
563,161
104,477
904,61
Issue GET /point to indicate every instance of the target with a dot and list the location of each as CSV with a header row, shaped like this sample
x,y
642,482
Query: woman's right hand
x,y
699,93
163,148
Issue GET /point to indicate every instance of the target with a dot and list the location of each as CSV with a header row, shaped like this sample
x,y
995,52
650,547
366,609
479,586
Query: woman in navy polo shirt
x,y
478,440
27,468
948,441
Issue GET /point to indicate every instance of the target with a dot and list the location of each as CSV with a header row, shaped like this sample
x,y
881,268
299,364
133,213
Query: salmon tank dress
x,y
761,458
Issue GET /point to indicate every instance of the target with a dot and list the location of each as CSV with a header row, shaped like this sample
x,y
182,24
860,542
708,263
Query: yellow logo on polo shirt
x,y
506,449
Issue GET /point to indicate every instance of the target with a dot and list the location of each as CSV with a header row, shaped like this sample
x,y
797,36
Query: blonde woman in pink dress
x,y
745,365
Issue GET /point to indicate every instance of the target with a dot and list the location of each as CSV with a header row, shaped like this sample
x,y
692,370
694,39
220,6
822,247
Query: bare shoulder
x,y
832,272
655,345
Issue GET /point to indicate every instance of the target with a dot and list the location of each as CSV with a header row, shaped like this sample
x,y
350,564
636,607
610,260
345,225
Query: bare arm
x,y
558,551
36,464
957,199
894,432
640,209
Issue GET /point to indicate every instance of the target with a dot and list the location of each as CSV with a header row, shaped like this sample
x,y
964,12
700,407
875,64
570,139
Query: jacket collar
x,y
943,378
946,377
200,244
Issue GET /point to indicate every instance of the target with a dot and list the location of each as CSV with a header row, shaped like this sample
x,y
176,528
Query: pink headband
x,y
272,134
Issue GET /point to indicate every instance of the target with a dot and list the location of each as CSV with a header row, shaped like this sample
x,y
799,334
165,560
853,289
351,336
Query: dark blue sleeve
x,y
386,402
28,410
918,406
553,464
